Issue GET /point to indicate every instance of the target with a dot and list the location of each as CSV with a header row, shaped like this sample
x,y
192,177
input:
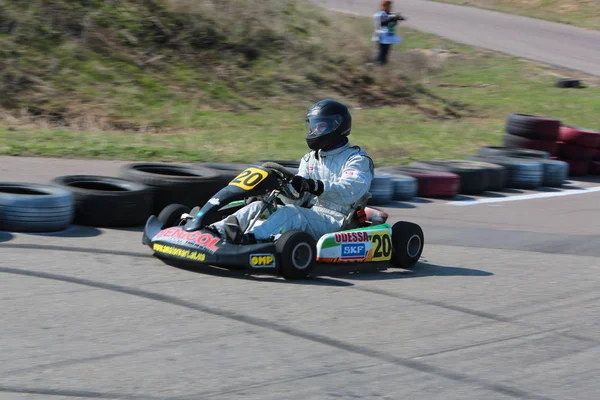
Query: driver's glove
x,y
302,185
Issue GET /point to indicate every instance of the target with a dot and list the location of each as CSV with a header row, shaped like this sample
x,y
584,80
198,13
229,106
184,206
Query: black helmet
x,y
327,122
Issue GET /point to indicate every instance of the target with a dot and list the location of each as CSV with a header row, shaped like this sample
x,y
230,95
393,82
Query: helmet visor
x,y
319,126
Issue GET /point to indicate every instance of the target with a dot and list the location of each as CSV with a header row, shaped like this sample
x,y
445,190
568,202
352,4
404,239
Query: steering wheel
x,y
287,176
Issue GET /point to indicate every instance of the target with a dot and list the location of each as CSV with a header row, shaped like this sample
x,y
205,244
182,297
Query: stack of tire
x,y
595,163
430,182
527,169
381,189
141,190
475,176
578,147
33,207
525,131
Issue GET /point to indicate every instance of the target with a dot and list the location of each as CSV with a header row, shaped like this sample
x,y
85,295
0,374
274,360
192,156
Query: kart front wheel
x,y
171,215
297,252
407,244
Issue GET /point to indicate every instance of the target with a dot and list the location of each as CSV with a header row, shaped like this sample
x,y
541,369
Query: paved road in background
x,y
547,42
503,305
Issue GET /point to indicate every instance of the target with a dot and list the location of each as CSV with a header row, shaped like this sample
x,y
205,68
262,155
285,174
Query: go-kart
x,y
181,234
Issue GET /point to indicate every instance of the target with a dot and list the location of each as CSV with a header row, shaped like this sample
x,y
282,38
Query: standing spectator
x,y
385,26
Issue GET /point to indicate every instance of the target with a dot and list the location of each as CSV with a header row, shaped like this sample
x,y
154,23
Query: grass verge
x,y
461,98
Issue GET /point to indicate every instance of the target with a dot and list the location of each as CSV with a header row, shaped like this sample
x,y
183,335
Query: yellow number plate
x,y
249,178
381,246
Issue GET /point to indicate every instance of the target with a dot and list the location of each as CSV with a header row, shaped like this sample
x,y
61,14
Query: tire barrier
x,y
473,176
497,175
556,172
594,168
523,173
596,155
173,183
382,189
577,167
431,183
405,187
568,151
518,142
106,201
32,207
533,127
512,152
579,136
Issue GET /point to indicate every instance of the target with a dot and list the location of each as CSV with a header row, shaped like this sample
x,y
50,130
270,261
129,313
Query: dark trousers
x,y
382,57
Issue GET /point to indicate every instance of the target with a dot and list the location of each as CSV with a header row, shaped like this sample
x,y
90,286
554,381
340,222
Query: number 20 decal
x,y
382,247
249,178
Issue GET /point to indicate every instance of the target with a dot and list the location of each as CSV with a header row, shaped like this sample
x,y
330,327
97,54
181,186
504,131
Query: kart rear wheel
x,y
297,252
407,244
171,215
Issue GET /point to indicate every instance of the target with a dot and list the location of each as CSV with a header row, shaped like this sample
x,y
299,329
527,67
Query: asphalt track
x,y
547,42
503,305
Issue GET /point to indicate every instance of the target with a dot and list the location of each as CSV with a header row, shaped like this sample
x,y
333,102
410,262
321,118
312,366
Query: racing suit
x,y
346,173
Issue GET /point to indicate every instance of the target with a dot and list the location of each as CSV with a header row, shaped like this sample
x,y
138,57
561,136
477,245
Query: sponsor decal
x,y
198,239
351,237
262,260
174,251
353,251
214,201
249,178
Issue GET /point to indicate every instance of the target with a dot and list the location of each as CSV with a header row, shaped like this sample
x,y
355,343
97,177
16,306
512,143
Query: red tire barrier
x,y
518,142
574,152
579,136
432,183
594,168
578,167
533,126
596,155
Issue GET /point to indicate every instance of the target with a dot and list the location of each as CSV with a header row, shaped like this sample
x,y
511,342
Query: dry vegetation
x,y
143,64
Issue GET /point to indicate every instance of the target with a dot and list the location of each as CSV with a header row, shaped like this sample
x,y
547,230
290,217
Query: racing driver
x,y
331,179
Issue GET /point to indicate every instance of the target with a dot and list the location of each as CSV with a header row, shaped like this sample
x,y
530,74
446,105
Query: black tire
x,y
171,215
473,176
512,152
521,143
533,126
32,207
568,83
174,183
297,253
106,201
407,244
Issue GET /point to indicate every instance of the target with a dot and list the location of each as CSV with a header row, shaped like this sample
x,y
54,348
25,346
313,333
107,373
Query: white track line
x,y
525,197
